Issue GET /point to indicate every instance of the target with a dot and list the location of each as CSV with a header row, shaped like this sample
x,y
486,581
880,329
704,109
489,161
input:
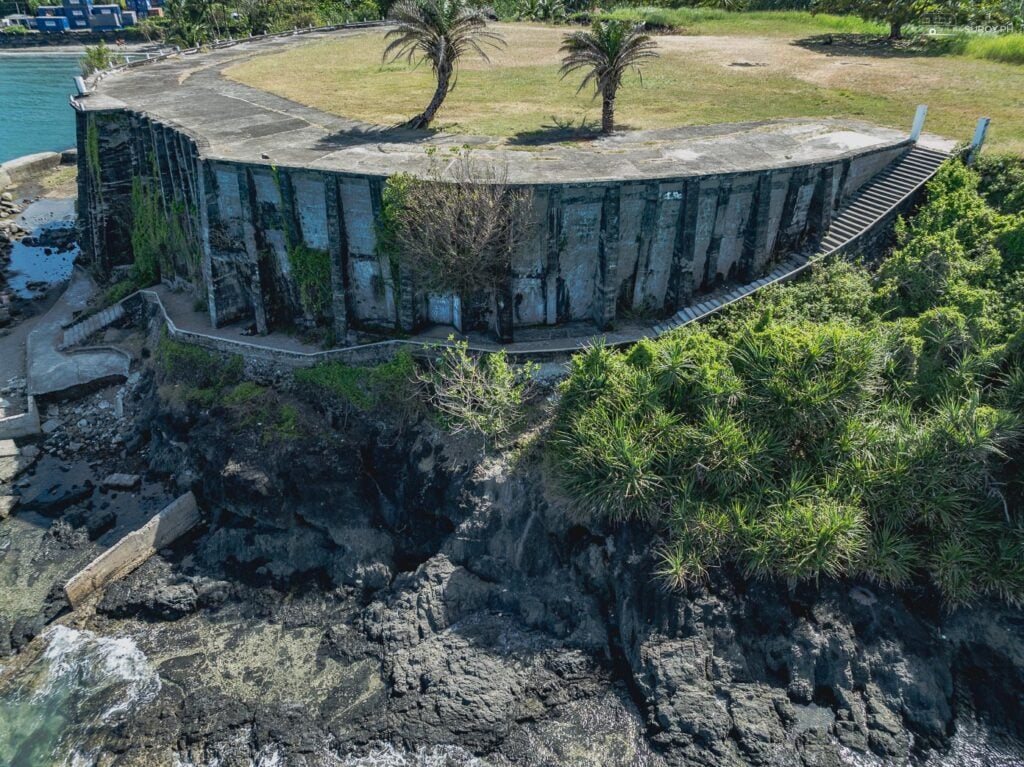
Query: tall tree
x,y
895,13
606,52
439,32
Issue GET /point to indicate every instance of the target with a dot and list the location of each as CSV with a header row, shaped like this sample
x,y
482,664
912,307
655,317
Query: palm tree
x,y
439,32
606,52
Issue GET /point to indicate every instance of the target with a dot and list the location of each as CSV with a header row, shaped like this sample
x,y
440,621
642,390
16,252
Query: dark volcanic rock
x,y
383,586
54,499
152,592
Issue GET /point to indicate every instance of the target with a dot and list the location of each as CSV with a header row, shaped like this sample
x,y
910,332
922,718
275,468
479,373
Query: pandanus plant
x,y
440,33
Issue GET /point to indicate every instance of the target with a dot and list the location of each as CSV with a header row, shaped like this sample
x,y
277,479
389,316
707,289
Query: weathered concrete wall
x,y
174,520
594,250
25,168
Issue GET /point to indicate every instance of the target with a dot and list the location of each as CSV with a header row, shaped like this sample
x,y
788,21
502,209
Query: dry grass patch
x,y
698,80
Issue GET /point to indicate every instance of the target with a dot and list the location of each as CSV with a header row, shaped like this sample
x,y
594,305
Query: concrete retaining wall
x,y
30,166
22,425
594,252
135,548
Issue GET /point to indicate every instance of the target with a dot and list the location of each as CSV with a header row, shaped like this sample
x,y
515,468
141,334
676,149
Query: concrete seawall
x,y
31,166
634,224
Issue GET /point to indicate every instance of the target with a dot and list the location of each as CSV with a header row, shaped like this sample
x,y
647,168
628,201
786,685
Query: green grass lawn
x,y
745,67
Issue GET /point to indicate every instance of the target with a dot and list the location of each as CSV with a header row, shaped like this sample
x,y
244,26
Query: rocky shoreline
x,y
378,589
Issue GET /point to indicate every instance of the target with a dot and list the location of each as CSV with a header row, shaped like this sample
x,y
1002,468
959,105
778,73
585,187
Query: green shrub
x,y
99,57
367,388
616,467
244,394
119,291
311,270
808,537
834,426
1001,181
196,367
478,394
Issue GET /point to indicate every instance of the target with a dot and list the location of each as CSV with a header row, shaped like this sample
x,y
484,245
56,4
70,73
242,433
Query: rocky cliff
x,y
381,582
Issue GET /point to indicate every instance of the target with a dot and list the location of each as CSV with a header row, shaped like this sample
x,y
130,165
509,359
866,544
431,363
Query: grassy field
x,y
739,73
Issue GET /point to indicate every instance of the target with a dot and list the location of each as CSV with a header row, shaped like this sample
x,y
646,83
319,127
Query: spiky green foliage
x,y
482,394
98,57
851,424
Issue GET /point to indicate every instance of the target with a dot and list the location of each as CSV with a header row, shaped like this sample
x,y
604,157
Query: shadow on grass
x,y
877,46
558,132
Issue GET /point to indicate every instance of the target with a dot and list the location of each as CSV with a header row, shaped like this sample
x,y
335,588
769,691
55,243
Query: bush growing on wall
x,y
311,269
846,425
454,231
158,237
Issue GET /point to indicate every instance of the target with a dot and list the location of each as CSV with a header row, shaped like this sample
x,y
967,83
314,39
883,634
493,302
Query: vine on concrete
x,y
396,189
92,154
311,268
158,237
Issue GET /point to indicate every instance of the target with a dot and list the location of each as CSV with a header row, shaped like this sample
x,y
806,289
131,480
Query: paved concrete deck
x,y
51,371
231,121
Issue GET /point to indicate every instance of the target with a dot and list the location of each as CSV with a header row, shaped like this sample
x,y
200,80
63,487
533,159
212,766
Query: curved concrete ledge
x,y
638,223
232,122
28,167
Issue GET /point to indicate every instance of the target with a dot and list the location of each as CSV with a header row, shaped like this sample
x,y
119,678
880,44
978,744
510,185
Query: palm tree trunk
x,y
424,119
896,30
607,114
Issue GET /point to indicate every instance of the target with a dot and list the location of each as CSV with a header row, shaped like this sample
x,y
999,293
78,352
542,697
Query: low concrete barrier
x,y
24,168
135,548
22,425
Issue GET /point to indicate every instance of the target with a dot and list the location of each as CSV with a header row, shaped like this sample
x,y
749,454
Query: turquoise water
x,y
34,111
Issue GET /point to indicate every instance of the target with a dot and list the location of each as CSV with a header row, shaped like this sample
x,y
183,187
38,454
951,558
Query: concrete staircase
x,y
78,332
872,203
876,199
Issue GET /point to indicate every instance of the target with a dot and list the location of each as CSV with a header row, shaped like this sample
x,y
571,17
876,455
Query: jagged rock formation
x,y
409,593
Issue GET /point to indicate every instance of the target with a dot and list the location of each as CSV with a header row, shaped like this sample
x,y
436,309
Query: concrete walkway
x,y
544,341
51,371
238,123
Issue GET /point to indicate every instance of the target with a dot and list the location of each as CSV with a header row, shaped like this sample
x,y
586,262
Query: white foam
x,y
87,660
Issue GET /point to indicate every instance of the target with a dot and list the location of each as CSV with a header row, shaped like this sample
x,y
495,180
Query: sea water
x,y
34,112
80,686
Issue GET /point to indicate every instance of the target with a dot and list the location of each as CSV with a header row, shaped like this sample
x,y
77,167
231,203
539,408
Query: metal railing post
x,y
978,140
915,131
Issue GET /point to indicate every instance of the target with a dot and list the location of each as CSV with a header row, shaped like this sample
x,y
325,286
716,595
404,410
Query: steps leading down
x,y
876,199
78,332
872,203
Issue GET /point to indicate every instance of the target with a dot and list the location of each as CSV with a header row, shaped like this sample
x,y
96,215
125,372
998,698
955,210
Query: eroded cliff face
x,y
388,584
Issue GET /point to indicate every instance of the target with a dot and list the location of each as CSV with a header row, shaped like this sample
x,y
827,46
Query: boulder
x,y
121,481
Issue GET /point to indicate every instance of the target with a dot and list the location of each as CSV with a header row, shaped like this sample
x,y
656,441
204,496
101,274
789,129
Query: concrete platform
x,y
51,371
233,122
